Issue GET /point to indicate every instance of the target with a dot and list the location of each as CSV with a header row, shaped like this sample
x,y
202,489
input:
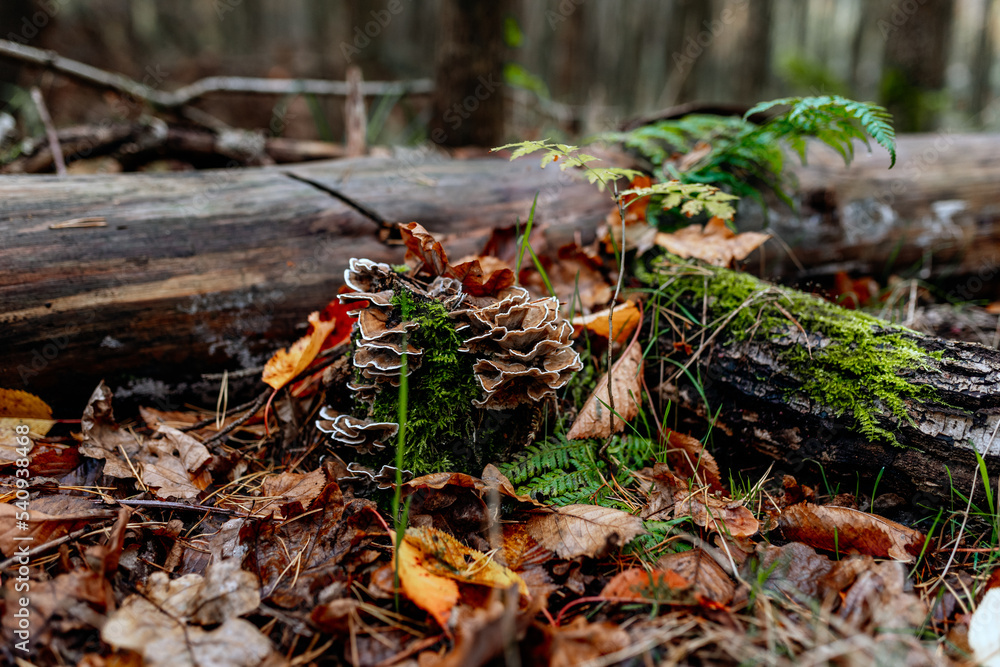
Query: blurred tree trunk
x,y
755,53
468,83
689,36
982,64
916,55
16,25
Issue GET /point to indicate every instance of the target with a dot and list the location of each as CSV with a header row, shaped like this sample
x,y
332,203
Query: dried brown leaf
x,y
706,576
174,464
715,244
595,417
673,496
690,459
102,437
35,527
583,530
846,530
288,487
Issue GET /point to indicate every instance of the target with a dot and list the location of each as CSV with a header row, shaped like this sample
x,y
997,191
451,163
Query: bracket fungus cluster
x,y
470,343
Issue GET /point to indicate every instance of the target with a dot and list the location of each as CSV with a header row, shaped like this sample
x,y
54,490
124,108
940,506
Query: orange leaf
x,y
638,584
435,595
285,365
624,321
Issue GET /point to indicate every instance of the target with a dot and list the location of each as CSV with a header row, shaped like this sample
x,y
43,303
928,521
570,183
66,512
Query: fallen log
x,y
808,383
935,212
172,275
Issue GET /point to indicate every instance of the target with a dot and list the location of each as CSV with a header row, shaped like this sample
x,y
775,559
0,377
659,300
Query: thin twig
x,y
168,505
251,411
50,131
213,84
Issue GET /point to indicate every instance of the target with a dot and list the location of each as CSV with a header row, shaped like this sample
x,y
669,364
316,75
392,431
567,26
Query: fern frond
x,y
831,119
543,457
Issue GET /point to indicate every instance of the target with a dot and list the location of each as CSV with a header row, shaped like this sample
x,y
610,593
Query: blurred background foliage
x,y
572,67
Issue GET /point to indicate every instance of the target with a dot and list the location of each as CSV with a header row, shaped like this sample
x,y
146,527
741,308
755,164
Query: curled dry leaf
x,y
287,364
672,496
690,459
102,437
595,417
426,256
715,244
845,530
583,530
624,320
175,464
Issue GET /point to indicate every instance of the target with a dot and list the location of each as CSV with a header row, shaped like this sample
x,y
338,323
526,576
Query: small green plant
x,y
692,198
747,158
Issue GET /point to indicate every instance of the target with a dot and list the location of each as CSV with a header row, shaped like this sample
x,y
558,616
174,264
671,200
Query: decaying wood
x,y
198,271
936,209
762,406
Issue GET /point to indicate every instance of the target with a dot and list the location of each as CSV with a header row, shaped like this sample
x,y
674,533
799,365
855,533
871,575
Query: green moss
x,y
440,391
857,368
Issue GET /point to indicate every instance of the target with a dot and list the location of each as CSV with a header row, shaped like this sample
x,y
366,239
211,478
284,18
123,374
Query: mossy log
x,y
807,383
168,276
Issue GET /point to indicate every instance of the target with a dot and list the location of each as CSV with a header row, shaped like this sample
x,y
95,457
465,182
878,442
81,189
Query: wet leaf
x,y
595,416
583,530
846,530
715,243
285,365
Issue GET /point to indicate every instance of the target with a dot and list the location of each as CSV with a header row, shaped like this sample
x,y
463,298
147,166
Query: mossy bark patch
x,y
849,361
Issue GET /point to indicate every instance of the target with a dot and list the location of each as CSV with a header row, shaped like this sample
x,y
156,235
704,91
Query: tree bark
x,y
916,56
198,271
935,212
762,401
468,101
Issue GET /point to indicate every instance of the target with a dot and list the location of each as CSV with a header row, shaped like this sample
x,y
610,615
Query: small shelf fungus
x,y
480,357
